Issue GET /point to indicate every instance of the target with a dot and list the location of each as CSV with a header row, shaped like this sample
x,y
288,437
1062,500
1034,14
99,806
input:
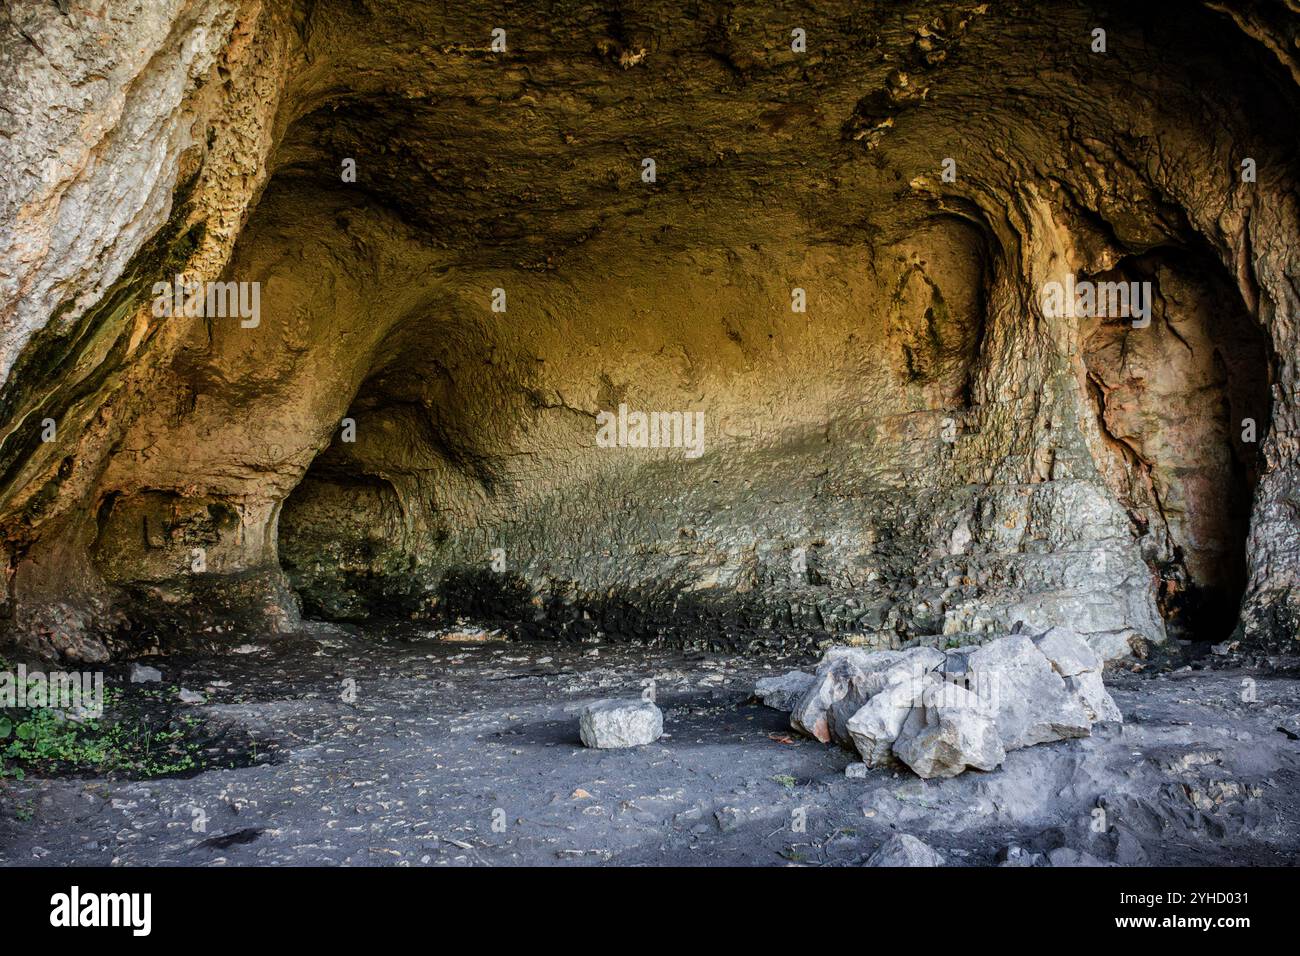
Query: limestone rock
x,y
1074,659
840,671
878,722
941,713
1089,689
612,724
912,668
903,849
950,731
1069,653
847,678
1030,701
143,674
783,692
1111,645
810,712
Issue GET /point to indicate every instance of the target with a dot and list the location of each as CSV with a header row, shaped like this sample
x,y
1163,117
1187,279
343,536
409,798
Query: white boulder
x,y
846,679
878,722
951,730
943,712
1081,667
1030,701
611,724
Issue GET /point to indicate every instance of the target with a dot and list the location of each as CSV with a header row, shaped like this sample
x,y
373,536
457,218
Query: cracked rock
x,y
846,679
1032,704
1079,665
878,722
950,731
1069,653
613,724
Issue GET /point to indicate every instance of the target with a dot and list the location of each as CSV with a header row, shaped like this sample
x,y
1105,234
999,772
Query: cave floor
x,y
466,754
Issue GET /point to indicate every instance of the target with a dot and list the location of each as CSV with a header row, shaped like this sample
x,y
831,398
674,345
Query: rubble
x,y
944,712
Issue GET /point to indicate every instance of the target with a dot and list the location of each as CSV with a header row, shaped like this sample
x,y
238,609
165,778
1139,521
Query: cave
x,y
623,349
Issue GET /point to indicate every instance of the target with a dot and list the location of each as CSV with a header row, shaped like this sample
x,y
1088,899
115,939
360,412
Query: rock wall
x,y
409,428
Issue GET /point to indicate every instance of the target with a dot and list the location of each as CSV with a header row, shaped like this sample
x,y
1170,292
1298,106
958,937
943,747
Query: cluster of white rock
x,y
941,712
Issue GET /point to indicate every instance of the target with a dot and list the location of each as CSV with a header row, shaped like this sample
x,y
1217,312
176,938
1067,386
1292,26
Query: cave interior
x,y
470,249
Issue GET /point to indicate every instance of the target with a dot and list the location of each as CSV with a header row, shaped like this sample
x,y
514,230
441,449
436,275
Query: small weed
x,y
126,741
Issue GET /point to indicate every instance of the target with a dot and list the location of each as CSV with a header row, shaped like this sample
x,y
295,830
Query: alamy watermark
x,y
651,430
211,300
79,693
1087,299
133,911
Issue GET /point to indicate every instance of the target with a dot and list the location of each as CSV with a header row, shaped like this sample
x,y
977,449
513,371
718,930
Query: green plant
x,y
43,741
43,738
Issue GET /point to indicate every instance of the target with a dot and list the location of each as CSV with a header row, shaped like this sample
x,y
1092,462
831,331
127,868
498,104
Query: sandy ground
x,y
347,749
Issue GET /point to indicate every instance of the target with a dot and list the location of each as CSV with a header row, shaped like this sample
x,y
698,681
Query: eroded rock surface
x,y
462,263
948,733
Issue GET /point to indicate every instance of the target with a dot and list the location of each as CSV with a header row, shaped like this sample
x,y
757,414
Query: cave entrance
x,y
336,534
1184,406
364,537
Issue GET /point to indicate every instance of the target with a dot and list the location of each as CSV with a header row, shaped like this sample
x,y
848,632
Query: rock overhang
x,y
919,452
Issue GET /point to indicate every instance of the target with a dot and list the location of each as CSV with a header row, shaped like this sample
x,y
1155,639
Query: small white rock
x,y
140,674
610,724
902,849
